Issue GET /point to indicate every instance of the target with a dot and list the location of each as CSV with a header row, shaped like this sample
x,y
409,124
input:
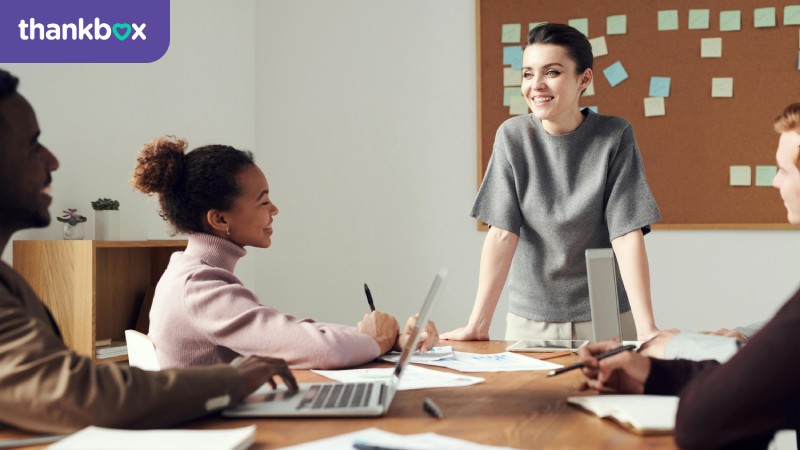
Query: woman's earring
x,y
228,231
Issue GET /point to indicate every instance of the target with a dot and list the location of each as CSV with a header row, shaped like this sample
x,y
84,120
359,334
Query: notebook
x,y
339,399
641,414
601,274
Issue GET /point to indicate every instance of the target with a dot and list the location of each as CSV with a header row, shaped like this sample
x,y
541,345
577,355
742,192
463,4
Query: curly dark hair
x,y
189,184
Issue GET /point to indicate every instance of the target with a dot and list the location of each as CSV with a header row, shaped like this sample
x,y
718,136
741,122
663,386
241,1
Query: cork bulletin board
x,y
702,144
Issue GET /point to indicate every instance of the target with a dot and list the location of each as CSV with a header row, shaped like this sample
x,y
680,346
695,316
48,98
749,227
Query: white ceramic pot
x,y
106,225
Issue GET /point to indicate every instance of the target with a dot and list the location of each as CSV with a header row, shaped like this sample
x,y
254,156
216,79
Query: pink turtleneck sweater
x,y
203,315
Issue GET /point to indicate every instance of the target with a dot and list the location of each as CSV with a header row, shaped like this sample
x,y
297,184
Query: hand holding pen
x,y
382,327
621,370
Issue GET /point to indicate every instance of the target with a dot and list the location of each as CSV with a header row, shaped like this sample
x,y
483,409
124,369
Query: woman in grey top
x,y
559,181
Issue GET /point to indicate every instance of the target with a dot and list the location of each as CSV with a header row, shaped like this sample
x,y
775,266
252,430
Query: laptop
x,y
332,399
601,273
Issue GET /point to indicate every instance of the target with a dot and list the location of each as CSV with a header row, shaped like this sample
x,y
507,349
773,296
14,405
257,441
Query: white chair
x,y
141,351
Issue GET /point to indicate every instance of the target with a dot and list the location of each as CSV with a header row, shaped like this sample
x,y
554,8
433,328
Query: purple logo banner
x,y
83,31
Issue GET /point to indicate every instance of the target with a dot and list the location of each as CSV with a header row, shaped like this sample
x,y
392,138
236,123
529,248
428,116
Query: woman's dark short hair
x,y
575,42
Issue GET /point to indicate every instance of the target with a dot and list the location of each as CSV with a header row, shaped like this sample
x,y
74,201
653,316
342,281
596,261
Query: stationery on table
x,y
373,438
97,438
486,362
369,397
579,365
641,414
433,354
414,377
27,442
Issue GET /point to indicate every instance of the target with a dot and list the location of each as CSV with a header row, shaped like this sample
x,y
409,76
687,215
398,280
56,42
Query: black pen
x,y
369,297
432,409
611,352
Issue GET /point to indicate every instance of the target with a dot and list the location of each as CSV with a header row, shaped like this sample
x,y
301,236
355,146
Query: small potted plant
x,y
73,223
106,225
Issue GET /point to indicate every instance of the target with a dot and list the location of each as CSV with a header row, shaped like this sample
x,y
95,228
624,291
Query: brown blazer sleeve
x,y
46,387
742,403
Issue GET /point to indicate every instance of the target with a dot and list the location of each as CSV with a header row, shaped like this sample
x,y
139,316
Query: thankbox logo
x,y
32,30
84,30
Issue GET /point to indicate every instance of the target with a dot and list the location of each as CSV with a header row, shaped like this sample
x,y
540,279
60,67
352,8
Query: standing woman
x,y
559,181
202,314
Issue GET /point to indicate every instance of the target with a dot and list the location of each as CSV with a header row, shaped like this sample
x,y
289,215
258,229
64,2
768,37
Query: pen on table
x,y
432,409
611,352
25,442
369,297
364,445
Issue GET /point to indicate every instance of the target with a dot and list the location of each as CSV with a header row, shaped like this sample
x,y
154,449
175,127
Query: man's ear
x,y
216,220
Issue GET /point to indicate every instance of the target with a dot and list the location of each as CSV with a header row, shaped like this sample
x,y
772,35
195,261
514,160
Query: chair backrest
x,y
141,351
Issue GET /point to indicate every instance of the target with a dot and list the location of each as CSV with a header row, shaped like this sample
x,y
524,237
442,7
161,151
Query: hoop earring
x,y
228,231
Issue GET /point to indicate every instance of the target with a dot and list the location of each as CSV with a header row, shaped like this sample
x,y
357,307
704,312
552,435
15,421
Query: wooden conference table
x,y
523,410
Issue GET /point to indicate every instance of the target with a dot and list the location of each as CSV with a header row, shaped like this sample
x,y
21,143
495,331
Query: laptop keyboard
x,y
336,395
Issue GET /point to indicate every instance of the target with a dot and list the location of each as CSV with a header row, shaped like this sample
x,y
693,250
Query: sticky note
x,y
740,176
533,25
517,106
512,56
659,86
599,47
765,175
589,91
615,74
764,17
654,106
511,33
581,25
668,20
791,15
711,48
512,77
698,19
730,20
509,93
617,24
722,87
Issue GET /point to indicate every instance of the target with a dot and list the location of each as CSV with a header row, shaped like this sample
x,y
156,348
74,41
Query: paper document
x,y
413,377
96,438
490,362
431,355
373,437
642,414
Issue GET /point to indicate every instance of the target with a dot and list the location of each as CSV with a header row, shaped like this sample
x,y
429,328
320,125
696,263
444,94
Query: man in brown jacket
x,y
44,386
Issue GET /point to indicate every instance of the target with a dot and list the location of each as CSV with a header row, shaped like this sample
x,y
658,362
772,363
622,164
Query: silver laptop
x,y
339,399
602,276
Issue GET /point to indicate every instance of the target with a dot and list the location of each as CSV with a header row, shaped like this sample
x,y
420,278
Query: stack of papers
x,y
476,362
96,438
375,438
110,349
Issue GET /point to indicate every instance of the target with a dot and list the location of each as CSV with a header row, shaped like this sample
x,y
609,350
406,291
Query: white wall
x,y
362,115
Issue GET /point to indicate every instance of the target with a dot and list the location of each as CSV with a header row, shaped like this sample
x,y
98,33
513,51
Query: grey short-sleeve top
x,y
562,195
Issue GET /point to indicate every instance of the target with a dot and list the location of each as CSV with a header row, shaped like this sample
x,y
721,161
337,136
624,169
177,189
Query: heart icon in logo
x,y
121,26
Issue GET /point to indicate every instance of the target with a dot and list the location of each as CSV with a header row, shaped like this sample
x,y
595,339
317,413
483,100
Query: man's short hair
x,y
8,84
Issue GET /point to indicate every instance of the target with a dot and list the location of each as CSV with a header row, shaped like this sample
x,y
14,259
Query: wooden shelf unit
x,y
94,289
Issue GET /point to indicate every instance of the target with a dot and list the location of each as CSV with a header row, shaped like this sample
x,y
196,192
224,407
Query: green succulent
x,y
105,204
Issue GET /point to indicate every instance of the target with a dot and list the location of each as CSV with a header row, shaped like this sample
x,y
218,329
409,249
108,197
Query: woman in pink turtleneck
x,y
202,313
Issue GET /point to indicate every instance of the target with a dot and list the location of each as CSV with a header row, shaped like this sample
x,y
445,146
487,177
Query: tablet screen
x,y
536,345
